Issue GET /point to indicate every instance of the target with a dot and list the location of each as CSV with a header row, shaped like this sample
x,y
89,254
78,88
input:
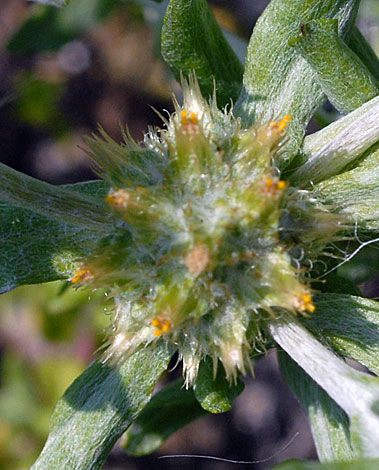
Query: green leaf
x,y
96,410
35,248
359,45
51,201
355,193
215,394
169,410
192,41
367,464
355,392
329,423
350,325
343,77
277,81
338,146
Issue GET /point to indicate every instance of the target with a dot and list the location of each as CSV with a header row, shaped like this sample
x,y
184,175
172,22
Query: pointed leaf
x,y
350,325
52,201
358,44
329,423
35,248
277,81
215,394
355,392
168,411
355,193
343,77
192,41
329,151
96,410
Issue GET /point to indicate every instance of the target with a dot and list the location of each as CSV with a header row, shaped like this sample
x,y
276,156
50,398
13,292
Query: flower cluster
x,y
205,237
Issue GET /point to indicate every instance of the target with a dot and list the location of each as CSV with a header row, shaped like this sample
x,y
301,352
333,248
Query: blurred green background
x,y
63,71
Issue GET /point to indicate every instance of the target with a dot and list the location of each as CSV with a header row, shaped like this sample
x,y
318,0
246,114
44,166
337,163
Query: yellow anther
x,y
193,118
282,124
166,327
162,325
311,307
271,185
119,198
189,122
184,116
307,298
279,126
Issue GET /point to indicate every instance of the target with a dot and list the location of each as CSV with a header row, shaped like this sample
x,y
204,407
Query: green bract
x,y
216,237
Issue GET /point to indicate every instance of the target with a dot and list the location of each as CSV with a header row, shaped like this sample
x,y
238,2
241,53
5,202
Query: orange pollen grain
x,y
197,259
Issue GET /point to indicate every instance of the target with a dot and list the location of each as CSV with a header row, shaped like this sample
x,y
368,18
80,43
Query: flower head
x,y
200,255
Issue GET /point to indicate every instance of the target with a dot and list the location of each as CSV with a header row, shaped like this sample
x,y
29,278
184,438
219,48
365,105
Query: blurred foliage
x,y
49,333
58,26
37,103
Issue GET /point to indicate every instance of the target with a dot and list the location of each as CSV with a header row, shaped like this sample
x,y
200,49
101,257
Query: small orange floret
x,y
184,116
119,198
190,122
81,275
304,303
162,325
283,122
193,118
279,126
272,185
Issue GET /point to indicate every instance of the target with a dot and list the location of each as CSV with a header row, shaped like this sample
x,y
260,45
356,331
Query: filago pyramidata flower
x,y
209,241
